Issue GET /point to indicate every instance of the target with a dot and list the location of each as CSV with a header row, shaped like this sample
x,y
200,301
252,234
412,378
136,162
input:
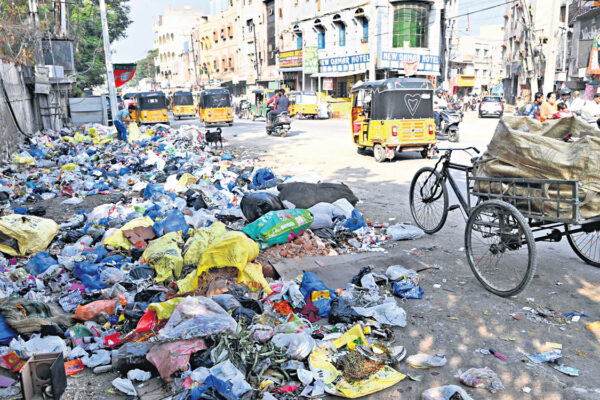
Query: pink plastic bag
x,y
175,356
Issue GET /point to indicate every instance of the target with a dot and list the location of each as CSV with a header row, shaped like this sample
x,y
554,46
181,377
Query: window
x,y
321,40
485,72
477,53
485,53
411,24
299,42
342,89
342,36
365,32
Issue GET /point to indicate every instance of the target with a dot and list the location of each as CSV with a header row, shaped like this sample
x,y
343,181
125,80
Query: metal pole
x,y
564,60
63,19
110,75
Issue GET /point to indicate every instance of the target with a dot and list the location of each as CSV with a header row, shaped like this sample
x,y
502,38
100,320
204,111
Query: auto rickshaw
x,y
259,100
214,106
150,108
393,115
182,105
303,104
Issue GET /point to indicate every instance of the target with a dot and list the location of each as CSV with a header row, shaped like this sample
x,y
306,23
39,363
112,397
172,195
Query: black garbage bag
x,y
142,272
251,304
199,203
255,205
227,301
201,359
363,271
243,315
305,195
341,312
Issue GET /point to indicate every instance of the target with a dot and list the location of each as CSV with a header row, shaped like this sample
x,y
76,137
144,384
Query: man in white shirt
x,y
577,103
591,111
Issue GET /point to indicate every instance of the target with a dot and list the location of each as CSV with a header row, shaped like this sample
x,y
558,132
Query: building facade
x,y
583,74
172,39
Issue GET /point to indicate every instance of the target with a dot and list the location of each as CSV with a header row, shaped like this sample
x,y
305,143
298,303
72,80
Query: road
x,y
456,316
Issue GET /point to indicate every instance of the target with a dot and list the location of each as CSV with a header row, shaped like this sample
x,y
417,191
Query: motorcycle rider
x,y
439,104
282,104
565,97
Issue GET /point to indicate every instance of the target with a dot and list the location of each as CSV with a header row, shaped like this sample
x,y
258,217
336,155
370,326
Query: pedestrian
x,y
577,103
548,108
534,111
562,112
565,96
591,111
466,102
121,121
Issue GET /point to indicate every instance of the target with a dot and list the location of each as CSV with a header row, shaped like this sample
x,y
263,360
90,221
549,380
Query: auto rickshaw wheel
x,y
379,153
361,150
425,153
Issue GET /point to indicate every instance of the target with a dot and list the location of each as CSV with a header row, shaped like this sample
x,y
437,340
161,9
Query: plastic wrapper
x,y
482,378
448,392
197,317
404,232
110,276
262,333
297,345
90,311
407,289
26,234
40,263
255,205
227,372
398,272
164,256
341,312
125,386
277,227
200,240
174,356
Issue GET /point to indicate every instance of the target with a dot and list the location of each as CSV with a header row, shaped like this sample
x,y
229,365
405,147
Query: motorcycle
x,y
449,120
473,105
456,106
281,124
244,110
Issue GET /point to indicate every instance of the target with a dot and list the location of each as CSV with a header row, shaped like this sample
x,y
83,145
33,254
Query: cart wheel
x,y
585,244
428,200
379,153
500,248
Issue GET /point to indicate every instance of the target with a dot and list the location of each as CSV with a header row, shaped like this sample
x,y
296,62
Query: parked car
x,y
491,105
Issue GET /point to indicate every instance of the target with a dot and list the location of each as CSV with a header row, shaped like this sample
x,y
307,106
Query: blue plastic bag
x,y
224,389
6,332
407,289
356,221
264,178
323,295
89,275
174,221
40,263
153,188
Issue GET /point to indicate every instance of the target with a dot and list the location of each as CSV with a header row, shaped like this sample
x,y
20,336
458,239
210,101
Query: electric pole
x,y
110,75
256,58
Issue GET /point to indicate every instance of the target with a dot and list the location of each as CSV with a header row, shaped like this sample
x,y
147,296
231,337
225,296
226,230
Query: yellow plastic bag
x,y
232,249
133,132
336,384
188,179
200,241
351,335
101,141
165,309
68,167
164,256
253,277
23,160
118,241
31,234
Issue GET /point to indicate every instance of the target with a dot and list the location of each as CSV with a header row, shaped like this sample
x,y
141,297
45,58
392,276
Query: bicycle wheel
x,y
586,244
500,248
428,200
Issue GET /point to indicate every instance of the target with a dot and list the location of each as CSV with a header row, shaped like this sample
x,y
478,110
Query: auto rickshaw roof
x,y
150,94
395,84
182,93
215,91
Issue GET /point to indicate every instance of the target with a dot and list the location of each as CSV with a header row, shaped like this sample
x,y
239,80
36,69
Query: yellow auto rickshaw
x,y
150,108
214,106
303,104
182,104
393,115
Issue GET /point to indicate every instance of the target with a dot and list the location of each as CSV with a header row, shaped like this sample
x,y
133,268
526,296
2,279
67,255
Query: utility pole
x,y
550,71
256,58
110,74
63,19
566,33
194,59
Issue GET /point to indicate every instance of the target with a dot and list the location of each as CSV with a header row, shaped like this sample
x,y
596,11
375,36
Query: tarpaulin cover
x,y
26,234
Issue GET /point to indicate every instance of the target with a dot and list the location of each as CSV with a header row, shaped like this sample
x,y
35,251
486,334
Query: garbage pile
x,y
163,278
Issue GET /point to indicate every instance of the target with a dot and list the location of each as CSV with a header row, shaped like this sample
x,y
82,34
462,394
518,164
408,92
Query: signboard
x,y
290,59
426,64
594,64
327,84
357,63
310,60
466,80
514,67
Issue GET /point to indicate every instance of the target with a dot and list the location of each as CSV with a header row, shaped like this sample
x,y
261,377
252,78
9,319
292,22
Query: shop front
x,y
290,66
337,75
405,64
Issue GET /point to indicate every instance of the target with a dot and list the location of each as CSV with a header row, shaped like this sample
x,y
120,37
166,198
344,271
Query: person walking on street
x,y
121,121
548,108
577,103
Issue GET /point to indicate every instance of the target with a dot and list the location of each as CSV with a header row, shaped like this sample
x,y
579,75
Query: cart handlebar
x,y
460,149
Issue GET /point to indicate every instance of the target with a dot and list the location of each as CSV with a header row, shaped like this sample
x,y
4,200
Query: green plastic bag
x,y
279,226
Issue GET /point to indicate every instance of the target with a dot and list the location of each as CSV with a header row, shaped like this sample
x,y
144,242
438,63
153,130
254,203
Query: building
x,y
584,18
531,47
172,39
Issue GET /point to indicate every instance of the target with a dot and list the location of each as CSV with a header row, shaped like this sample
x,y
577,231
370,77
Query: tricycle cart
x,y
508,217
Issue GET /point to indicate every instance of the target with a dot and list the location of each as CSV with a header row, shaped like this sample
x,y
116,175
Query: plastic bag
x,y
482,378
252,276
404,232
174,221
138,375
341,311
6,332
118,241
47,344
448,392
40,263
100,357
422,360
255,205
351,335
200,241
125,386
262,333
356,221
398,272
164,256
278,226
90,311
407,289
27,234
173,356
297,345
197,317
110,276
227,372
321,295
388,313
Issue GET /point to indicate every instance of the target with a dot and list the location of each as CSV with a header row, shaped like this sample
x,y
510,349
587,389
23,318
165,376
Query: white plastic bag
x,y
297,345
404,232
398,272
138,375
387,313
125,386
422,360
445,393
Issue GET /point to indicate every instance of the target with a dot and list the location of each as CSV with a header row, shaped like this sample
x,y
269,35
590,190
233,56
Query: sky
x,y
140,38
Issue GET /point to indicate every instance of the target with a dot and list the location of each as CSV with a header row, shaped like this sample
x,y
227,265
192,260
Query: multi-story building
x,y
531,47
172,39
584,17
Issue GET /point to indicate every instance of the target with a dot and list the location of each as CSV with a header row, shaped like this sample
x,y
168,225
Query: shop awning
x,y
295,69
338,74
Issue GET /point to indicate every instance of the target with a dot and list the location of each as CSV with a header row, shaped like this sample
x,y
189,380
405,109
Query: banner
x,y
310,60
594,65
327,84
290,59
123,73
